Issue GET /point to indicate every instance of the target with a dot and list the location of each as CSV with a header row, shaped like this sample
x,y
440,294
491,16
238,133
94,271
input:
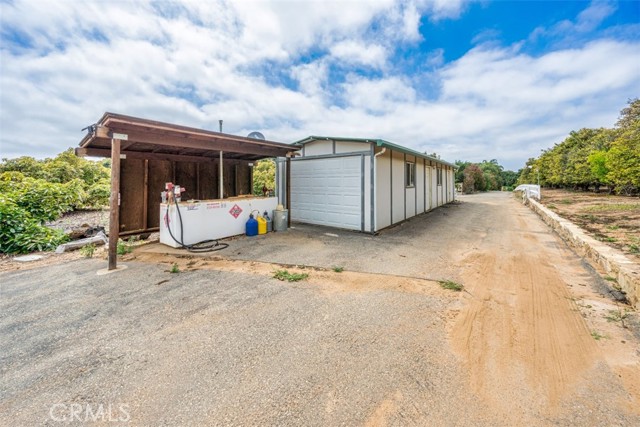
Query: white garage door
x,y
327,191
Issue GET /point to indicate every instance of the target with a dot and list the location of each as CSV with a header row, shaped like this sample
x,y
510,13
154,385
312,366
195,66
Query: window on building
x,y
439,176
409,174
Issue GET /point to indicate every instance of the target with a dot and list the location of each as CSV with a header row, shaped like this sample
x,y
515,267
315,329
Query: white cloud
x,y
271,66
355,52
587,21
441,9
311,77
590,18
377,96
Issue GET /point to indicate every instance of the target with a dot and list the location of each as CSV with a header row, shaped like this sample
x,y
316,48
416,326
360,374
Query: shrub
x,y
45,201
88,251
98,194
123,247
21,233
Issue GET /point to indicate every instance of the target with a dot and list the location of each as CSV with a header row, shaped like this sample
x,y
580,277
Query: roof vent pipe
x,y
220,171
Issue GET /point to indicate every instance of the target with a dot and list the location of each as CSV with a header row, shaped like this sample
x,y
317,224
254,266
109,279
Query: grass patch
x,y
123,247
610,279
607,239
174,268
566,201
338,269
613,227
613,207
597,336
616,316
284,275
88,250
634,249
451,285
552,206
589,218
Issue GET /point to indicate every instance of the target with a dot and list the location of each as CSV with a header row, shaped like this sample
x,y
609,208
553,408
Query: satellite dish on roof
x,y
256,135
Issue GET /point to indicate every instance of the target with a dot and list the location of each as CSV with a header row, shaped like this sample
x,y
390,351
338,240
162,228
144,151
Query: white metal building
x,y
363,184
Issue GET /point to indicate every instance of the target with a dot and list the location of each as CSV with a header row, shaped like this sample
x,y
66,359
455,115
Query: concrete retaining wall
x,y
614,263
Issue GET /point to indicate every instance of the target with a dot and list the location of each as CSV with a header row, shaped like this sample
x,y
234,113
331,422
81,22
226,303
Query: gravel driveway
x,y
223,343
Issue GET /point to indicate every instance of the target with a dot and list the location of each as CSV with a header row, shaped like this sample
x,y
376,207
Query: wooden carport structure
x,y
146,153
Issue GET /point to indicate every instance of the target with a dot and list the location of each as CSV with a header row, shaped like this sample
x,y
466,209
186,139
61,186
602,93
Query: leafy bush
x,y
264,175
66,167
98,194
43,200
35,191
123,247
21,233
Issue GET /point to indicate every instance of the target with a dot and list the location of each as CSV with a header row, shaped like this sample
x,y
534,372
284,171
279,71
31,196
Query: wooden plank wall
x,y
142,181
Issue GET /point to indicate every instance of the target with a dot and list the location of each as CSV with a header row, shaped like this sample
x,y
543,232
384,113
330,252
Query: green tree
x,y
264,175
26,165
459,174
473,179
492,171
509,178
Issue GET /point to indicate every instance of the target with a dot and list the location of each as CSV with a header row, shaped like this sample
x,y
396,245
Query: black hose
x,y
209,245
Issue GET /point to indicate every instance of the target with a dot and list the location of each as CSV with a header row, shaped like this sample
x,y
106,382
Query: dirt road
x,y
533,339
521,334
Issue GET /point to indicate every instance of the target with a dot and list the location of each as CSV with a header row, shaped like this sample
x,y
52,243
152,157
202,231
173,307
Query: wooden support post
x,y
251,180
114,217
288,185
145,196
198,197
221,176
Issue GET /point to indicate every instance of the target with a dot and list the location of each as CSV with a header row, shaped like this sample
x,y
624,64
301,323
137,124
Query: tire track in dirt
x,y
520,334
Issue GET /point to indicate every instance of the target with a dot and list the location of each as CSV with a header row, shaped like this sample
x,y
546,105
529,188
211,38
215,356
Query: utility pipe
x,y
221,171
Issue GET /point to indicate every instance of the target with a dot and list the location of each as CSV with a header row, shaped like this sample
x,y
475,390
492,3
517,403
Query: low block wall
x,y
614,263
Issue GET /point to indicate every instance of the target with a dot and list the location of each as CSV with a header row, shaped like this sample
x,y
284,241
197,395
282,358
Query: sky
x,y
468,80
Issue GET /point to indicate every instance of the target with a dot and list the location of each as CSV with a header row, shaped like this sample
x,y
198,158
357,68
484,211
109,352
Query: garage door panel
x,y
327,191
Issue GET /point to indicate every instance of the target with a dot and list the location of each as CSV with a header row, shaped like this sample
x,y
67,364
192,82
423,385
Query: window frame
x,y
409,175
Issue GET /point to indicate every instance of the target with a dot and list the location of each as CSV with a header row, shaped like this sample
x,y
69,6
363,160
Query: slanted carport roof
x,y
119,136
150,139
379,142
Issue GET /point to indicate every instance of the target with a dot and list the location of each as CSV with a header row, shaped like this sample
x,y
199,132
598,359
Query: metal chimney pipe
x,y
220,170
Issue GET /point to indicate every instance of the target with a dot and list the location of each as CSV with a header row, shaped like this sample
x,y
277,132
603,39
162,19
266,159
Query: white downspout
x,y
375,179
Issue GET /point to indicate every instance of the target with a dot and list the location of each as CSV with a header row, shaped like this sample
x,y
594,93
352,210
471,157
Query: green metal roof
x,y
379,142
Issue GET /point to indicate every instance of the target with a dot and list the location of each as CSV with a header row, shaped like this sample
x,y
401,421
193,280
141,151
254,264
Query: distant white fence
x,y
529,191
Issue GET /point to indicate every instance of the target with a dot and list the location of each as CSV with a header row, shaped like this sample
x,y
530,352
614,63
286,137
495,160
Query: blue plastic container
x,y
252,226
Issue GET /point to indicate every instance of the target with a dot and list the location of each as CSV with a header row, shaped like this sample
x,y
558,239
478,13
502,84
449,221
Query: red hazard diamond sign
x,y
235,211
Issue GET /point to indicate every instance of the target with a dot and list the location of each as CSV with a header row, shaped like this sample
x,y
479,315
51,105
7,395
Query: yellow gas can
x,y
262,225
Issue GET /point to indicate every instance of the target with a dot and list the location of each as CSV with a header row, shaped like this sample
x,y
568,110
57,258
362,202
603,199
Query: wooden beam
x,y
145,195
114,215
105,152
116,123
200,142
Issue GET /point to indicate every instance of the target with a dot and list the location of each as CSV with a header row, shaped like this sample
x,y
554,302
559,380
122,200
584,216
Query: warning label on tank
x,y
235,211
215,205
